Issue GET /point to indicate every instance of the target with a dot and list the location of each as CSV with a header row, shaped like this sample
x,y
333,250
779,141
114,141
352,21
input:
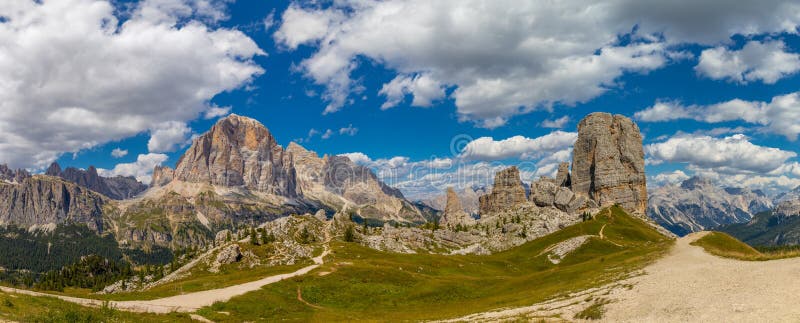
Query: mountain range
x,y
698,204
234,174
779,226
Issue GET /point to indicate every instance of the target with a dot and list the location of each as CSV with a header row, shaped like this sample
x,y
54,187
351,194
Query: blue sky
x,y
407,79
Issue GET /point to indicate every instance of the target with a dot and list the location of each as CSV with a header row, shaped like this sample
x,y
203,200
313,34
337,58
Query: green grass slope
x,y
361,284
24,308
724,245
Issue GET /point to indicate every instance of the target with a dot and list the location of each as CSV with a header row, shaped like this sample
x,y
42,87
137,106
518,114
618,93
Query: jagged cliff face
x,y
507,192
608,162
44,201
239,151
697,204
118,188
241,163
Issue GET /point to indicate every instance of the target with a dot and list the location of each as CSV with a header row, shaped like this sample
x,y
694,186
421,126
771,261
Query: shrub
x,y
349,234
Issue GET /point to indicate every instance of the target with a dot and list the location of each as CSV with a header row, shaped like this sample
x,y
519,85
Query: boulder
x,y
222,236
543,193
229,255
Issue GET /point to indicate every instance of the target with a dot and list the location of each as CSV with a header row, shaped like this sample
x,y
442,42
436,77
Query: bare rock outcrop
x,y
454,213
507,192
223,236
227,255
563,178
239,151
608,162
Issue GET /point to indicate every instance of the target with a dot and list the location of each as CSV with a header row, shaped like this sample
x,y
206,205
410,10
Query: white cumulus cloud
x,y
504,58
557,123
732,154
119,153
142,168
168,136
766,61
74,74
486,148
424,89
673,177
349,130
778,116
216,112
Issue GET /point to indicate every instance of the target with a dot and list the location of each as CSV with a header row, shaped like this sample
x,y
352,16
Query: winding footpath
x,y
687,285
189,302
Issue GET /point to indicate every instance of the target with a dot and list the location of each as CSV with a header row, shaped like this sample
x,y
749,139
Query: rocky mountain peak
x,y
507,192
239,151
54,170
608,162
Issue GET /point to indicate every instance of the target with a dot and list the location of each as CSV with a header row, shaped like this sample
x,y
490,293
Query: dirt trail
x,y
687,285
187,302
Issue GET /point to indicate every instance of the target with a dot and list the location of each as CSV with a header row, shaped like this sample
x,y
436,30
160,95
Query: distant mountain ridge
x,y
697,204
787,196
118,187
777,227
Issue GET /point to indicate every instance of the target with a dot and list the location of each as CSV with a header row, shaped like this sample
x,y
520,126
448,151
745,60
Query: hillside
x,y
770,228
358,283
687,285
